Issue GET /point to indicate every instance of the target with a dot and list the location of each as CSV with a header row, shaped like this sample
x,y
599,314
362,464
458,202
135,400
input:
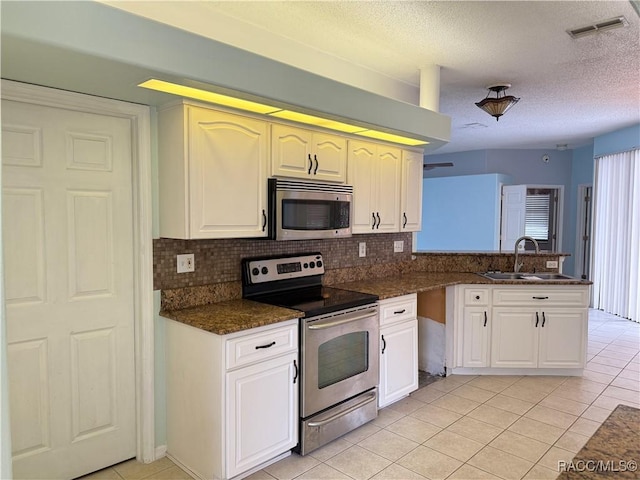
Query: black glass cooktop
x,y
317,300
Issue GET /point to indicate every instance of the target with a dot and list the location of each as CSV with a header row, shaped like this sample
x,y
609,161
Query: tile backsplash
x,y
218,261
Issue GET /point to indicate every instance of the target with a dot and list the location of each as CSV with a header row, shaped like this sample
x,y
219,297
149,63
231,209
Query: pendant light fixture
x,y
496,107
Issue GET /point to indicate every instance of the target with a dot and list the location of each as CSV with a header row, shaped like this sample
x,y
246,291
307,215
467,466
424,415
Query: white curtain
x,y
616,235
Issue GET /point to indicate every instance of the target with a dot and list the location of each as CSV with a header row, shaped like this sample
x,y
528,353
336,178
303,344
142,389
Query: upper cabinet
x,y
213,169
306,154
411,198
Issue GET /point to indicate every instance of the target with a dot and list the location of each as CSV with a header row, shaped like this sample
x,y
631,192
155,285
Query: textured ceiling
x,y
570,90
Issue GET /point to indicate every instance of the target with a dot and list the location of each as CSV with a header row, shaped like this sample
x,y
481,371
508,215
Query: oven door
x,y
339,357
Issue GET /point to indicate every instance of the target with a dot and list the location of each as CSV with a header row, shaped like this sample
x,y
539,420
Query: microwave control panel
x,y
273,269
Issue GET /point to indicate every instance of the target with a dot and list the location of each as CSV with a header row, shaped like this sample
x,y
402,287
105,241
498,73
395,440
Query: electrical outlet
x,y
362,249
398,246
186,263
552,264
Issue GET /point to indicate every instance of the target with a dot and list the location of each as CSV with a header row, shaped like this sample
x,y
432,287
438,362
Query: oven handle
x,y
320,326
371,398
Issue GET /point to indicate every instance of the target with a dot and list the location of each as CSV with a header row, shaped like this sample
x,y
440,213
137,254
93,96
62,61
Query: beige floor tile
x,y
430,463
539,472
448,384
427,394
634,367
360,433
520,446
599,368
554,457
583,384
414,429
406,405
572,441
323,471
543,383
172,473
524,392
620,350
597,377
501,463
388,445
537,430
628,375
510,404
551,416
259,475
291,466
492,383
387,416
475,430
584,426
622,394
455,403
610,361
358,463
596,414
440,417
476,394
104,474
570,392
467,472
564,404
610,403
398,472
331,449
494,416
134,469
454,445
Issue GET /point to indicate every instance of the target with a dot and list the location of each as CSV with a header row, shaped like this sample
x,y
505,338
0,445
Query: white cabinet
x,y
411,191
398,348
517,327
232,400
306,154
375,170
212,173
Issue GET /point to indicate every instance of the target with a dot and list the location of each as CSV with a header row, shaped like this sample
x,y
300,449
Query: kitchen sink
x,y
526,276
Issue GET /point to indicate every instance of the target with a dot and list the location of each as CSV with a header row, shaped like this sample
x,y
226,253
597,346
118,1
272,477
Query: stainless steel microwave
x,y
309,210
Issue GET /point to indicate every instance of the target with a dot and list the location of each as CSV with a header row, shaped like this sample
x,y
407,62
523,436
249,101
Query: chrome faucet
x,y
517,266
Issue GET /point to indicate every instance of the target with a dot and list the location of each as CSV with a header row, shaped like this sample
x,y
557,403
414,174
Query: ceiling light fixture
x,y
265,109
498,106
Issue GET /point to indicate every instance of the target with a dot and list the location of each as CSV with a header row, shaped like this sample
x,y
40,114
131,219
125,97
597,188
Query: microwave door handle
x,y
310,165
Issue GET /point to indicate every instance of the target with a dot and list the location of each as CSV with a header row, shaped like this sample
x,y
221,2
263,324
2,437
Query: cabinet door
x,y
227,175
563,335
398,361
475,337
514,338
411,192
329,153
361,174
387,199
262,413
291,152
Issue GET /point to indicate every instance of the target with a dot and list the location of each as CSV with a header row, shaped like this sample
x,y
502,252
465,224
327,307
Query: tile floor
x,y
470,427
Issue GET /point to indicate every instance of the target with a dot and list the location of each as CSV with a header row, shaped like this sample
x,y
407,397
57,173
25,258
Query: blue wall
x,y
617,141
461,213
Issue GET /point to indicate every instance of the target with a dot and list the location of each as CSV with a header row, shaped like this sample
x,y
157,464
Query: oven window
x,y
342,357
314,214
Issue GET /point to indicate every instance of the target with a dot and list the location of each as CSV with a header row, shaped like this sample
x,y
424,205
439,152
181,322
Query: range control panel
x,y
273,269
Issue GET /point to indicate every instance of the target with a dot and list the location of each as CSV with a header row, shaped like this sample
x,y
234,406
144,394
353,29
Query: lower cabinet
x,y
232,400
398,348
475,332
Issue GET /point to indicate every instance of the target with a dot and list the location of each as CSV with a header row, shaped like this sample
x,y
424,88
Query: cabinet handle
x,y
540,298
398,312
485,318
544,319
310,165
295,377
384,344
537,319
378,215
265,346
477,297
404,219
264,220
373,225
315,170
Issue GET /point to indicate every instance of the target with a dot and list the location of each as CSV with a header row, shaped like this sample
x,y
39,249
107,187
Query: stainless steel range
x,y
338,344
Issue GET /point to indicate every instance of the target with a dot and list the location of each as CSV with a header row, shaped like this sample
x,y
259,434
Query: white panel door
x,y
411,191
514,208
388,189
398,361
361,173
514,338
563,337
68,249
475,337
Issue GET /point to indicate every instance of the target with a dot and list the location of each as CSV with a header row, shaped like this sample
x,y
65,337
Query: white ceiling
x,y
570,90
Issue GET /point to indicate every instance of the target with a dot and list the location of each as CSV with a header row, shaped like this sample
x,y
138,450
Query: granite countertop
x,y
232,316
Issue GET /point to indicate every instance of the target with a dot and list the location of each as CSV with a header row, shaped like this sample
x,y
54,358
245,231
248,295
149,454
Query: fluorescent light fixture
x,y
246,105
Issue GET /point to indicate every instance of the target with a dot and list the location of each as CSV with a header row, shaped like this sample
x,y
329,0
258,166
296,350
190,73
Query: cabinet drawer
x,y
563,296
260,346
398,309
476,296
